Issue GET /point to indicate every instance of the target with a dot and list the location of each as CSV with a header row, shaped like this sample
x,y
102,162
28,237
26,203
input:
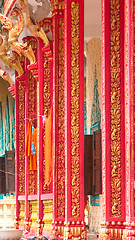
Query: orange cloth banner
x,y
28,146
48,149
28,140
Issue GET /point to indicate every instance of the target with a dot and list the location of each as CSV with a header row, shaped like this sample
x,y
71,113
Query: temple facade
x,y
47,56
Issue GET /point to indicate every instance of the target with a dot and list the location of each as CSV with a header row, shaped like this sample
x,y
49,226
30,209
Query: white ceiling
x,y
92,19
40,9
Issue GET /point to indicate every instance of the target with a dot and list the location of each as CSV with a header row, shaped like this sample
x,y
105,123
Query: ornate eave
x,y
18,22
7,6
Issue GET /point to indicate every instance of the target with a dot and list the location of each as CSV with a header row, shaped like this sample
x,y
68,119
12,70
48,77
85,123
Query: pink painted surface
x,y
68,98
17,148
40,130
106,105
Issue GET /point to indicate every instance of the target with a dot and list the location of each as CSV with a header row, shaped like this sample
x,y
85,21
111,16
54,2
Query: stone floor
x,y
92,236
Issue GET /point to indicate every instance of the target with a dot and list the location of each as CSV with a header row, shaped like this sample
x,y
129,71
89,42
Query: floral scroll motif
x,y
75,183
46,106
61,125
21,139
115,109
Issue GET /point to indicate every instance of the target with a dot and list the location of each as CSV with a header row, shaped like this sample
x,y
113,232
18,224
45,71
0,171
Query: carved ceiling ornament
x,y
14,33
9,61
36,30
6,77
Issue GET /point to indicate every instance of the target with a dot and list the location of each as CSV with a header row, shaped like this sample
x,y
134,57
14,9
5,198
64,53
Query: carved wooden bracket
x,y
11,62
13,34
36,30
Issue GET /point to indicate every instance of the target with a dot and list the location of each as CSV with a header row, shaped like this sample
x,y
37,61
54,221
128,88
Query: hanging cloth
x,y
28,140
28,148
48,148
33,161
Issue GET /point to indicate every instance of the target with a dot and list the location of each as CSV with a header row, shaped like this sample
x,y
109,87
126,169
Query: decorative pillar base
x,y
27,225
129,232
111,231
16,223
40,226
75,230
57,230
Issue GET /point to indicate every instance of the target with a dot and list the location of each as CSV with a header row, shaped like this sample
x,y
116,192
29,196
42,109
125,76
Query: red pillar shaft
x,y
129,232
17,153
40,139
113,119
20,147
74,119
27,216
58,119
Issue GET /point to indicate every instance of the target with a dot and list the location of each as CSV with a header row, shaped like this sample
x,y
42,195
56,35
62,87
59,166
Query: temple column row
x,y
67,100
118,120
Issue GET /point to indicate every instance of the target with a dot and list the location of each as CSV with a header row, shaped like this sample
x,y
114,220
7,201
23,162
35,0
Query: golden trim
x,y
132,112
75,147
103,108
21,138
115,109
61,124
46,106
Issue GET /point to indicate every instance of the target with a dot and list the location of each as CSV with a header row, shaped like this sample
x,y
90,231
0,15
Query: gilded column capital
x,y
57,6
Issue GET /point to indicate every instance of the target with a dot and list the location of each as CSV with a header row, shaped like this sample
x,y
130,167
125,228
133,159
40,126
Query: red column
x,y
74,120
27,215
30,115
40,139
44,103
17,155
129,232
58,119
113,119
20,147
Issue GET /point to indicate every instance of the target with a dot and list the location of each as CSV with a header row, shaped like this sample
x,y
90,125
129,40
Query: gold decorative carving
x,y
46,105
130,165
57,5
22,212
27,225
14,32
17,222
58,83
115,109
45,23
103,111
40,225
34,29
6,77
74,232
21,140
32,114
110,233
33,214
47,214
75,182
11,62
61,123
127,122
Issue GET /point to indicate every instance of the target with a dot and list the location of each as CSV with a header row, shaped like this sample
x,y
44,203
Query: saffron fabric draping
x,y
48,148
28,148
